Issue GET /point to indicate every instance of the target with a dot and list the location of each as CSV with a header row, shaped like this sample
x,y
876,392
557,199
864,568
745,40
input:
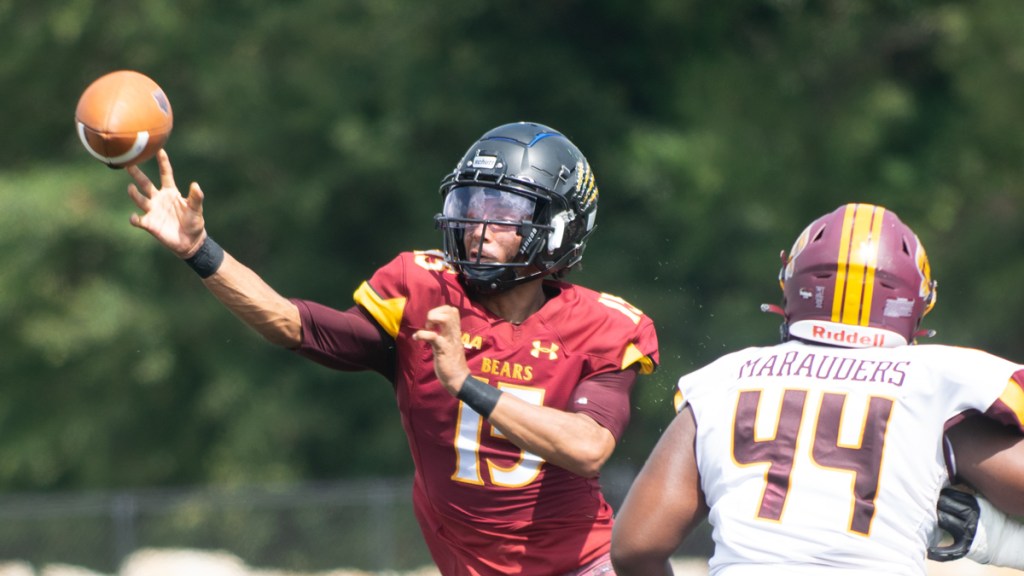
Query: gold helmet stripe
x,y
858,260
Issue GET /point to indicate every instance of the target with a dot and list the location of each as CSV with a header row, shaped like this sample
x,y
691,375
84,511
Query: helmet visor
x,y
473,204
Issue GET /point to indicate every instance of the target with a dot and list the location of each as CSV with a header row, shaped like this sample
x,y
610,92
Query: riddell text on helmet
x,y
847,337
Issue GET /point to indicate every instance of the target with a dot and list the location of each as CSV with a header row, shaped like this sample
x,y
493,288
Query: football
x,y
123,118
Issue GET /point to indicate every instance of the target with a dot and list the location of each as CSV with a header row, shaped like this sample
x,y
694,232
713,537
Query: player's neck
x,y
516,304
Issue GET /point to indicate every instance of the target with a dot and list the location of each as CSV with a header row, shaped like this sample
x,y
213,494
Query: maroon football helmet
x,y
856,277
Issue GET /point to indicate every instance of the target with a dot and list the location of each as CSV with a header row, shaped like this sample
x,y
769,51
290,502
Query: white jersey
x,y
822,460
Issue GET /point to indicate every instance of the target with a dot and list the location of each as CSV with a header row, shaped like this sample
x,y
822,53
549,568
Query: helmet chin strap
x,y
784,327
488,279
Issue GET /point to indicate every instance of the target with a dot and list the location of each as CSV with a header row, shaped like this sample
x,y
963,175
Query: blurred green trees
x,y
320,130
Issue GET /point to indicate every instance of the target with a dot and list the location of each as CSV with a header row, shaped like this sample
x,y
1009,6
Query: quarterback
x,y
513,385
824,454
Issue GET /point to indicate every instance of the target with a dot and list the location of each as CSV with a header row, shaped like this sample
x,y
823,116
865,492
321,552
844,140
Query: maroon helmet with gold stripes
x,y
856,277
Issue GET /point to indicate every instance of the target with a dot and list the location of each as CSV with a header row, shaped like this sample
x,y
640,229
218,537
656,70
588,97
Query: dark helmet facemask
x,y
489,209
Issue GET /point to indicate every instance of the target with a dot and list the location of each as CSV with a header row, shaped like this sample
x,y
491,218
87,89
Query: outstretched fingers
x,y
163,161
195,198
143,185
141,192
141,200
173,219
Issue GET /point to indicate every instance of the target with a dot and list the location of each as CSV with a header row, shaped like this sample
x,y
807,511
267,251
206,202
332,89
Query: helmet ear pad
x,y
557,234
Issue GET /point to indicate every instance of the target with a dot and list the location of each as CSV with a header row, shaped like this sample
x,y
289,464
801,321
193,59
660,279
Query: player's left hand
x,y
443,332
958,515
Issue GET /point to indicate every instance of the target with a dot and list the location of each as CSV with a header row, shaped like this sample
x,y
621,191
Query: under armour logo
x,y
538,349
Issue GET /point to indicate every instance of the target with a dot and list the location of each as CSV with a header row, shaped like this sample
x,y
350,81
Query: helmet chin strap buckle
x,y
774,309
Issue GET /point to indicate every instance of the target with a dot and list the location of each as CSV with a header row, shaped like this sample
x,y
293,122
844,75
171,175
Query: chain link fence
x,y
361,524
366,524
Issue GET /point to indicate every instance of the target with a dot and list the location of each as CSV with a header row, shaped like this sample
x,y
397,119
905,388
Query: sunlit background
x,y
135,412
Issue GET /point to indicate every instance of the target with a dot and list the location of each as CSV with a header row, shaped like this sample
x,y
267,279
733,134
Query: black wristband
x,y
207,260
479,396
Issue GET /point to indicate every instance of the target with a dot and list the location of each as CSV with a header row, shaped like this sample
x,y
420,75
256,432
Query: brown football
x,y
123,118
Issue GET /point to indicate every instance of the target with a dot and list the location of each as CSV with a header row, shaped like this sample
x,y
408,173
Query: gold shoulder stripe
x,y
678,401
387,312
633,355
1013,397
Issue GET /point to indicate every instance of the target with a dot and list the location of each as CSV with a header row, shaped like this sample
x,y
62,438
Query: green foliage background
x,y
320,131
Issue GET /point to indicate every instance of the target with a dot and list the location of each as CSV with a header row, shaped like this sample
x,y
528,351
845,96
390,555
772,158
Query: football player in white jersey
x,y
824,454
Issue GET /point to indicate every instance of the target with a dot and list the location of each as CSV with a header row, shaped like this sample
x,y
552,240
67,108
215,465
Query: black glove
x,y
958,515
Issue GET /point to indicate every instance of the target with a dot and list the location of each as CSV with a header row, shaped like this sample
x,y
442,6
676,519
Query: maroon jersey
x,y
485,505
